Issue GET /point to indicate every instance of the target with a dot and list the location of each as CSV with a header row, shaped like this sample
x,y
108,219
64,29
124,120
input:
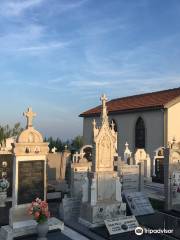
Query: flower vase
x,y
3,197
42,230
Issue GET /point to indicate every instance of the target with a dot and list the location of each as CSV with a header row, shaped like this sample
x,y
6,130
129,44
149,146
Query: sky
x,y
59,56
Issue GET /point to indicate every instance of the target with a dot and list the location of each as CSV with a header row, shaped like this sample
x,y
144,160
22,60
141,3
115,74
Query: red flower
x,y
36,215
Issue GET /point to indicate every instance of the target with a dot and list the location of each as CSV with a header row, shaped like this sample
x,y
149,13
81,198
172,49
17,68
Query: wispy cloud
x,y
67,5
16,8
30,40
43,47
89,83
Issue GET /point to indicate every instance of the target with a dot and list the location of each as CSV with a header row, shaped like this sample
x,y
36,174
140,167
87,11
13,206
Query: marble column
x,y
118,189
93,192
85,188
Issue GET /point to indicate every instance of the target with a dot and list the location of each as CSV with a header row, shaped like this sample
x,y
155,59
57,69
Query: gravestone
x,y
127,154
138,203
102,188
29,165
70,206
132,177
79,171
56,170
142,157
29,182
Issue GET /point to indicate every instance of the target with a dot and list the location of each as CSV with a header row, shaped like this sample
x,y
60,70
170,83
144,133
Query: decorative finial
x,y
29,115
104,108
126,145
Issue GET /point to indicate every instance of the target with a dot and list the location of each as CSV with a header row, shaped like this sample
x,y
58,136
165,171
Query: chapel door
x,y
159,170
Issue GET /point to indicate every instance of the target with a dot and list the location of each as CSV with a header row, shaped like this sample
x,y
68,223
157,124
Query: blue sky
x,y
59,56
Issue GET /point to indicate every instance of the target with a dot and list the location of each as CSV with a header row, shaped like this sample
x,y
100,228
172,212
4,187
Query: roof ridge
x,y
143,94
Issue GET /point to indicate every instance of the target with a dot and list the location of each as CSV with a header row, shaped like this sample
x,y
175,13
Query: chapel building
x,y
147,121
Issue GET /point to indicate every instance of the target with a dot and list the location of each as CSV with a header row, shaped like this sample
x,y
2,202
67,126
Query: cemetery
x,y
91,194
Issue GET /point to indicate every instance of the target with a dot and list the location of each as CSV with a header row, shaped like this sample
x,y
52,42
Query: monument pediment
x,y
30,135
30,141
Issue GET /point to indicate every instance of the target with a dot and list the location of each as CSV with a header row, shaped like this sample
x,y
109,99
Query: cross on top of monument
x,y
104,99
29,115
104,109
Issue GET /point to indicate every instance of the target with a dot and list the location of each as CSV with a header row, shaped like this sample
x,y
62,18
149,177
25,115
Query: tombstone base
x,y
94,216
27,227
69,208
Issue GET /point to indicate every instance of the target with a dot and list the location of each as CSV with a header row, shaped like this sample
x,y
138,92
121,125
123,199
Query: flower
x,y
47,214
39,209
36,215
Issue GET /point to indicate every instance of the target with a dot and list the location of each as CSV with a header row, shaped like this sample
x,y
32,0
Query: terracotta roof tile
x,y
153,100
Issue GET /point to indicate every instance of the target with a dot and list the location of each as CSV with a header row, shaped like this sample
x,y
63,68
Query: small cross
x,y
29,115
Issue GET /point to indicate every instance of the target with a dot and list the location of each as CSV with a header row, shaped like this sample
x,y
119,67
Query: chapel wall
x,y
174,122
154,123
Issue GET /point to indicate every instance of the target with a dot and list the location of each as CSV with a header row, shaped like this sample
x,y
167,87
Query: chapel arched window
x,y
140,133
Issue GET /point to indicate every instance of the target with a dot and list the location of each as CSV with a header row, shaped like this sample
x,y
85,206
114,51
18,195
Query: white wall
x,y
174,122
154,123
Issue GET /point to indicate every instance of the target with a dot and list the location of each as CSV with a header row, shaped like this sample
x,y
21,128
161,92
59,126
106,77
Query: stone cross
x,y
29,115
127,152
104,110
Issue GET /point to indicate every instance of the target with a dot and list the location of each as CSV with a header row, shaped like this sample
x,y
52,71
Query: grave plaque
x,y
138,203
31,181
121,225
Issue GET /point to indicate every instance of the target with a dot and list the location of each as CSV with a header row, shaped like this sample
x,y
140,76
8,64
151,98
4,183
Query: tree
x,y
77,143
6,131
73,145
